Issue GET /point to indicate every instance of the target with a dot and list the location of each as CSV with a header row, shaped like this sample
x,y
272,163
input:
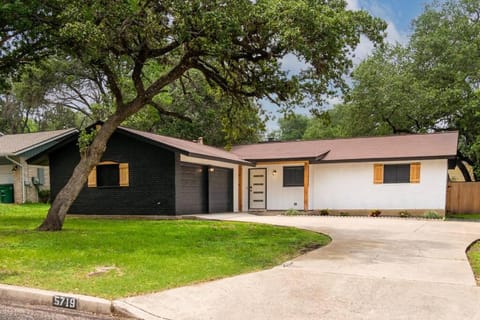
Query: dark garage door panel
x,y
220,187
192,195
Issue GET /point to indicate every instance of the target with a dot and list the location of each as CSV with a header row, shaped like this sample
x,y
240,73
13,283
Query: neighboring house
x,y
19,181
144,173
393,173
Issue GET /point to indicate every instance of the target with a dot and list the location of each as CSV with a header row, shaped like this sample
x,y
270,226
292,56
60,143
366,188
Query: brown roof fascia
x,y
385,159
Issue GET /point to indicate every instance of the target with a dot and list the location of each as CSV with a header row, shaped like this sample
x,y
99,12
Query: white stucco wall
x,y
206,162
350,186
278,196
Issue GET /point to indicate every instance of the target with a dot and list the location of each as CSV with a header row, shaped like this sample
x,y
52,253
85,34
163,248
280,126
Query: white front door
x,y
257,189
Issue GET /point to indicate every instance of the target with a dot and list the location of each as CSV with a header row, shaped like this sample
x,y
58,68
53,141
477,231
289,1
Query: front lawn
x,y
464,216
144,256
473,254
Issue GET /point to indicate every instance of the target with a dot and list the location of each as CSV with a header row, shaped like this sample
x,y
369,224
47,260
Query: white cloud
x,y
293,64
376,8
353,5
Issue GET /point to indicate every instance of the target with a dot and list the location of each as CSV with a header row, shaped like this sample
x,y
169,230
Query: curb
x,y
135,312
33,296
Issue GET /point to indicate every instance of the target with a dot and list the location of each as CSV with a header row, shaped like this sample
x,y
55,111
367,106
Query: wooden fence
x,y
463,197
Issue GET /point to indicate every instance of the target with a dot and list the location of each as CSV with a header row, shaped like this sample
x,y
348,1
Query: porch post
x,y
240,188
306,180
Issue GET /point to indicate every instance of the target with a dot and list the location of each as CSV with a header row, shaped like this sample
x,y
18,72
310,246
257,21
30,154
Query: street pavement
x,y
27,312
375,268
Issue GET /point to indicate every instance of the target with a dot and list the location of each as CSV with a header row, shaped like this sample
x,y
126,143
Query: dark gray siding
x,y
192,189
220,190
151,187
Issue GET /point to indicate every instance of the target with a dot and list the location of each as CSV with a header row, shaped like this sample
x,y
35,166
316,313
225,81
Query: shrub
x,y
431,215
324,212
344,214
375,213
44,195
291,212
404,214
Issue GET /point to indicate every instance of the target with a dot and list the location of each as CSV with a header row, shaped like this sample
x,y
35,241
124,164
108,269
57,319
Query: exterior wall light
x,y
274,172
211,169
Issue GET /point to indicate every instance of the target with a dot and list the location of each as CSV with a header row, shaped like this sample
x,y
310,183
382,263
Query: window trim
x,y
124,173
302,184
379,174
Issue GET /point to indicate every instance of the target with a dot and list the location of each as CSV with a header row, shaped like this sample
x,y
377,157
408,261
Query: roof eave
x,y
277,159
388,159
202,156
183,150
60,136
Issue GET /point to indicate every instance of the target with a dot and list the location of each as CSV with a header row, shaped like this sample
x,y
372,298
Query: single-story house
x,y
390,174
20,181
144,173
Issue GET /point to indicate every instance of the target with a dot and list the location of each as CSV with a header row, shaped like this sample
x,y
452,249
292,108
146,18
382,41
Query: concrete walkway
x,y
375,268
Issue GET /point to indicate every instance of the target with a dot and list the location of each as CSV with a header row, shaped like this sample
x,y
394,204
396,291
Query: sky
x,y
397,13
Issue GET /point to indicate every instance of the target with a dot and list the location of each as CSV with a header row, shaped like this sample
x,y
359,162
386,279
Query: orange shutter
x,y
415,172
124,181
92,178
378,173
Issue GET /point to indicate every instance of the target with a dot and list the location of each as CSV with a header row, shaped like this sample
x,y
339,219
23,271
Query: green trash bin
x,y
6,193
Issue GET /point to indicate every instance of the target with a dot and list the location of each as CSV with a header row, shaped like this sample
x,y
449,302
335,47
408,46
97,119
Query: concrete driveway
x,y
375,268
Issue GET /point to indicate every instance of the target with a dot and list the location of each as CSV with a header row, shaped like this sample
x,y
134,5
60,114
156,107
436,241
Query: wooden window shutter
x,y
92,178
124,181
415,172
378,173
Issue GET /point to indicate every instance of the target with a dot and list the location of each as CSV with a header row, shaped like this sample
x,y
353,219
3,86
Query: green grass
x,y
464,216
150,255
473,254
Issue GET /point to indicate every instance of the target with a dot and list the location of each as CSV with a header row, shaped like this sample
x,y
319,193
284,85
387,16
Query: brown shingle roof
x,y
189,147
437,145
15,144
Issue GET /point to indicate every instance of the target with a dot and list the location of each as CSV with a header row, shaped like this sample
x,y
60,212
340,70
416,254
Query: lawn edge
x,y
470,263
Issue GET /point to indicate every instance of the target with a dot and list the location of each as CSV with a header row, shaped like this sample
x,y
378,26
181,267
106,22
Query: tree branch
x,y
162,51
113,83
169,113
176,72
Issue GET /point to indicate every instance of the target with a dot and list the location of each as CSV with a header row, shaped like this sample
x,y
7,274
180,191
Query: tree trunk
x,y
464,171
65,198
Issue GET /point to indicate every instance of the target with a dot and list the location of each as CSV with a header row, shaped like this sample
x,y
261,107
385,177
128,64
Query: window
x,y
293,176
396,173
41,175
109,174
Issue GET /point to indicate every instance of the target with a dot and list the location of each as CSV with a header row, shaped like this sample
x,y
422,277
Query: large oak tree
x,y
236,45
430,84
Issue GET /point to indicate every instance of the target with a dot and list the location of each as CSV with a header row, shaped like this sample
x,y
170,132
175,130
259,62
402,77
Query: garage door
x,y
192,195
220,190
6,176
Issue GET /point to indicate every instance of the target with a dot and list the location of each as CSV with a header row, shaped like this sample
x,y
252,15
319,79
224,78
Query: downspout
x,y
23,177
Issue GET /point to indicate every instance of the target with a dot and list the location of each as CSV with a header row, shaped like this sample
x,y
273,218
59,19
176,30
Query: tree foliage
x,y
236,45
221,120
430,84
292,126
